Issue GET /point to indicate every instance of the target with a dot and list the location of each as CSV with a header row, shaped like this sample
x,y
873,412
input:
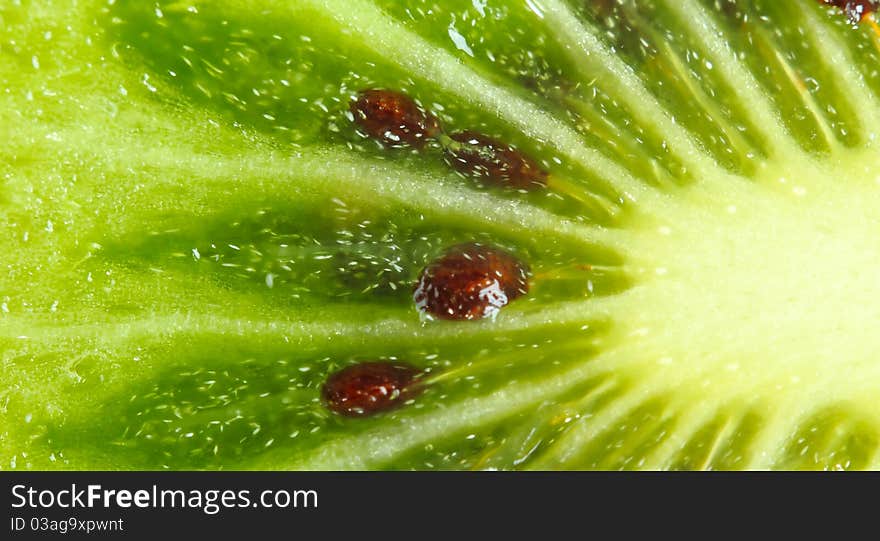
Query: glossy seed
x,y
856,10
470,281
368,388
482,157
393,118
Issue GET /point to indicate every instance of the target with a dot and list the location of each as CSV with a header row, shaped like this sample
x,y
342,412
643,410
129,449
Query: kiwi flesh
x,y
198,234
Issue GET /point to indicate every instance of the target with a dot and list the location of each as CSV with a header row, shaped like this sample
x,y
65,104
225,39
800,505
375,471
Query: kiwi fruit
x,y
470,234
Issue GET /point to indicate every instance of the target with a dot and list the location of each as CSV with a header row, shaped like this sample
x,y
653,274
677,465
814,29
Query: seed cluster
x,y
469,281
397,120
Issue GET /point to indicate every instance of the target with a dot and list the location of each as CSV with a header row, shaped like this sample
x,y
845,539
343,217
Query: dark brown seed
x,y
393,118
856,10
485,158
370,387
470,281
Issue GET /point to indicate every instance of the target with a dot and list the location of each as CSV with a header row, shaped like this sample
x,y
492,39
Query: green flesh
x,y
196,235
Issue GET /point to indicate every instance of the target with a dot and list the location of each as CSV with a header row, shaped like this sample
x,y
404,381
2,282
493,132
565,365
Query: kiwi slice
x,y
553,234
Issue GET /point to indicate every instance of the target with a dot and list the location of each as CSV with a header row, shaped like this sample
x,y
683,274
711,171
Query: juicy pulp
x,y
197,237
